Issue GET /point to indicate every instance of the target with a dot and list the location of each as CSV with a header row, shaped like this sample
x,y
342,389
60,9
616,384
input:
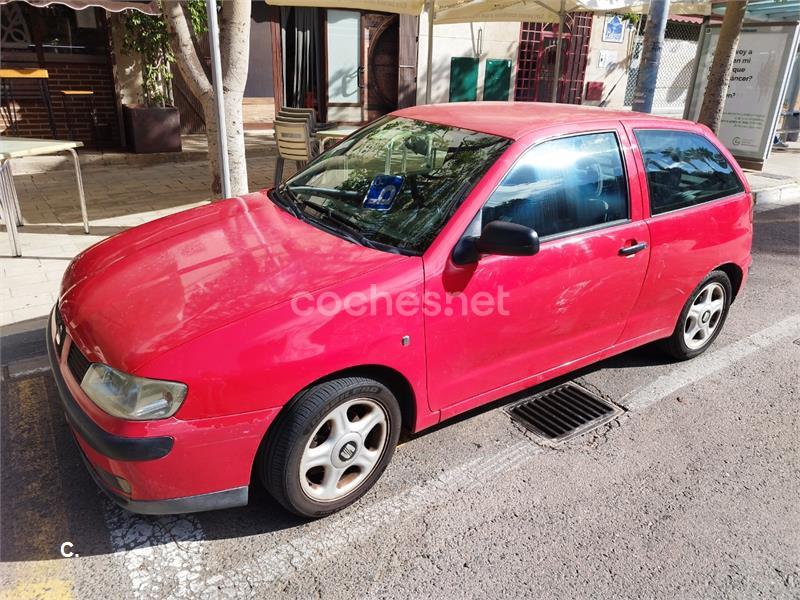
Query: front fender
x,y
262,360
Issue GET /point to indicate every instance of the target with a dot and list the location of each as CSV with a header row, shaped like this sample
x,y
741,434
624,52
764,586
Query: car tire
x,y
702,317
330,445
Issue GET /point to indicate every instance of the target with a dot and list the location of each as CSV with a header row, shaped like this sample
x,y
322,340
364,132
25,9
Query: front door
x,y
381,46
362,65
568,301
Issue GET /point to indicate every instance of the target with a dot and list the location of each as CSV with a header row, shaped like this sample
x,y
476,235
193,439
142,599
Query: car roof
x,y
514,120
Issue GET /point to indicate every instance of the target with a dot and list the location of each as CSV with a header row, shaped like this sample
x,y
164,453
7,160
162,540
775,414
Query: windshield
x,y
394,183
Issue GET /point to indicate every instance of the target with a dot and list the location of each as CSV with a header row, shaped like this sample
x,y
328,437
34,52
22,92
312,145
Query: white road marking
x,y
708,364
166,556
361,521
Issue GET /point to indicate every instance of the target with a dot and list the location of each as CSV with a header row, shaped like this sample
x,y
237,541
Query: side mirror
x,y
497,237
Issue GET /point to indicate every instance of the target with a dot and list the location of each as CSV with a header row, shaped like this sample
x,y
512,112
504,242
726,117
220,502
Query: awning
x,y
401,7
145,6
466,11
544,11
770,10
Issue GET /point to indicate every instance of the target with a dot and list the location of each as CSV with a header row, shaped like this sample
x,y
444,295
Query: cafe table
x,y
334,133
16,147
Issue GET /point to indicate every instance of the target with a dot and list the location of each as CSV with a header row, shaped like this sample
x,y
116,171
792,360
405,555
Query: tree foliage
x,y
147,35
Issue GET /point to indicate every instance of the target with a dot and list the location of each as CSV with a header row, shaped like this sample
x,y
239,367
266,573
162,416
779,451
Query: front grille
x,y
563,413
77,363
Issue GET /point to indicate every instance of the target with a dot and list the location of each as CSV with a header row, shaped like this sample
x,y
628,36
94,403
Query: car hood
x,y
154,287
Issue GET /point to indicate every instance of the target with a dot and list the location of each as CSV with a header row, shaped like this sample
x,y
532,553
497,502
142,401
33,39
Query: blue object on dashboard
x,y
382,191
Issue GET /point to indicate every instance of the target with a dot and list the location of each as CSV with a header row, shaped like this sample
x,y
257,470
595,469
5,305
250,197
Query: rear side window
x,y
563,185
684,169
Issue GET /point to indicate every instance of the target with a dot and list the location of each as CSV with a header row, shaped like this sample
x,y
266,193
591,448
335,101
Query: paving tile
x,y
22,280
26,301
32,312
48,286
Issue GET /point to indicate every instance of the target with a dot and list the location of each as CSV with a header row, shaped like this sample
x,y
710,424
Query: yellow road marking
x,y
35,521
52,589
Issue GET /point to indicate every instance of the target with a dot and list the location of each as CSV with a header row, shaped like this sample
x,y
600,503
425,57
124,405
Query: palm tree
x,y
720,73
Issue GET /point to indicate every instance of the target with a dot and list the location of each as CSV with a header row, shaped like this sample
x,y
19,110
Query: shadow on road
x,y
49,498
776,232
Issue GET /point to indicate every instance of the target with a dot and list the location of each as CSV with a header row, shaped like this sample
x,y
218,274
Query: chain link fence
x,y
675,70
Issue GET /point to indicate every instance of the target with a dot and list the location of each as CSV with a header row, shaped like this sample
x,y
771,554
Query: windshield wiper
x,y
330,192
286,200
334,223
340,225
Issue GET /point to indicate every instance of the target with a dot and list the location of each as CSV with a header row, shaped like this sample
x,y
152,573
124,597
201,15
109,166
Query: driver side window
x,y
563,185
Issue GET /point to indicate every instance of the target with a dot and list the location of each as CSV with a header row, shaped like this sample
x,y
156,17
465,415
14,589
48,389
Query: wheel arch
x,y
397,383
391,378
735,274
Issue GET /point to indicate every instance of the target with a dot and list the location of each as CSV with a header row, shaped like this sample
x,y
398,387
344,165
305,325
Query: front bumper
x,y
107,444
135,471
172,506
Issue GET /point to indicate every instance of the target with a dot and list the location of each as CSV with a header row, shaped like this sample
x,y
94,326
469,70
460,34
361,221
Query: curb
x,y
787,193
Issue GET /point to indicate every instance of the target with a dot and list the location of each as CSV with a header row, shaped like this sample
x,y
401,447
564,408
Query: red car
x,y
438,259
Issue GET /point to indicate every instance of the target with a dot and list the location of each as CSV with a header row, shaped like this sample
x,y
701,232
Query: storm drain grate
x,y
563,413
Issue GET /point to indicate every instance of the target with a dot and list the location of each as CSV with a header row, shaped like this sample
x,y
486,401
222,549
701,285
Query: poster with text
x,y
757,86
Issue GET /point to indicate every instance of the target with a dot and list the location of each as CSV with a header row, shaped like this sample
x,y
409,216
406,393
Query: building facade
x,y
350,65
47,54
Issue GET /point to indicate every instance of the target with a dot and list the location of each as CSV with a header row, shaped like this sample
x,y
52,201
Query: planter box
x,y
152,129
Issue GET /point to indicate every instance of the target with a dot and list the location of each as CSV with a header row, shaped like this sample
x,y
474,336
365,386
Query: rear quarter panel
x,y
688,243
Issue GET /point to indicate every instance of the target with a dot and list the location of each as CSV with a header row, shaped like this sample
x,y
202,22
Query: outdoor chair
x,y
294,141
308,113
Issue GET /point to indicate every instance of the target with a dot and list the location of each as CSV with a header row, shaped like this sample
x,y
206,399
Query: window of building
x,y
53,29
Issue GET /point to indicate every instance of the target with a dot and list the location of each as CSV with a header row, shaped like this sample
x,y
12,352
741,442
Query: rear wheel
x,y
331,445
702,317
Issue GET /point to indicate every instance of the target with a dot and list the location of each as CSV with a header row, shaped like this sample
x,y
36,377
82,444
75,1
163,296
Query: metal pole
x,y
687,107
559,43
651,56
429,72
219,100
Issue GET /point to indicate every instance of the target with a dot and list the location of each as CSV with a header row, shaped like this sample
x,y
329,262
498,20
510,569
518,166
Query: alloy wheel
x,y
344,450
704,316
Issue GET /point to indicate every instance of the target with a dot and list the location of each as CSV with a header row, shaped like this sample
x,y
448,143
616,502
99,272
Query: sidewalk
x,y
124,192
778,183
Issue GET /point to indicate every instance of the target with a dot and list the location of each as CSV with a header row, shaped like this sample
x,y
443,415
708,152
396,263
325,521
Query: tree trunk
x,y
212,138
720,73
235,50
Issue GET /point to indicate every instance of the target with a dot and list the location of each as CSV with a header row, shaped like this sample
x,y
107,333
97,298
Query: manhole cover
x,y
563,413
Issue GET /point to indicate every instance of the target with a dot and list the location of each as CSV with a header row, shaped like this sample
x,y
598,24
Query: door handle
x,y
631,250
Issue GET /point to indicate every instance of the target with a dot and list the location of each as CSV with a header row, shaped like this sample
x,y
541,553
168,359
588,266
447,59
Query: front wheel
x,y
330,445
702,317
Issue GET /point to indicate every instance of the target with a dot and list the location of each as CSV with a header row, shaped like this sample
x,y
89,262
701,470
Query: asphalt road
x,y
691,493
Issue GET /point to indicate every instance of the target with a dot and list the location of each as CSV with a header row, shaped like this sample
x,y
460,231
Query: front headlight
x,y
130,397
